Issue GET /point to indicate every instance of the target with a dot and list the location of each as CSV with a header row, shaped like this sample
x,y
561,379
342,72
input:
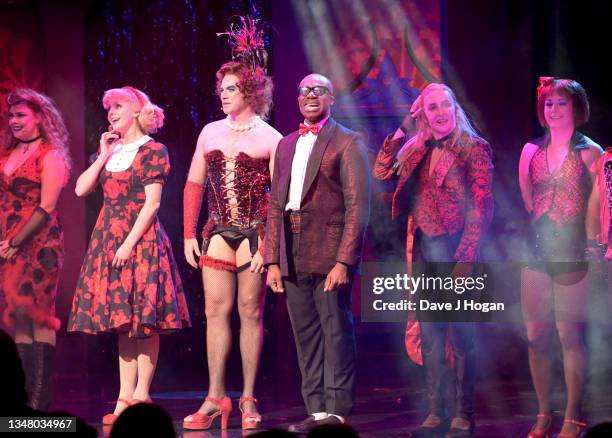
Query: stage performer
x,y
234,156
35,165
450,172
129,283
555,176
318,214
599,223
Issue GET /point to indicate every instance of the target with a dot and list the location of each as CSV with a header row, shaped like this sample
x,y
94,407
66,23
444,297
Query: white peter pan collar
x,y
123,154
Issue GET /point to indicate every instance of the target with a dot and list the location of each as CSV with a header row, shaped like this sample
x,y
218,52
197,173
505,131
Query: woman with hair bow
x,y
35,165
555,176
129,283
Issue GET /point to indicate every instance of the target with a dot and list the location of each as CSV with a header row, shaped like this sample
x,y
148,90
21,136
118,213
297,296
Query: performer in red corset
x,y
450,208
555,175
34,167
234,157
129,283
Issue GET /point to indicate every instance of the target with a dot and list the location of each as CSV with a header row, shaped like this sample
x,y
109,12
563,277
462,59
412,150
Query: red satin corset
x,y
238,189
561,195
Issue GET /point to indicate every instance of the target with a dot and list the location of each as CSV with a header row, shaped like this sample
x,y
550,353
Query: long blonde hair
x,y
424,133
52,127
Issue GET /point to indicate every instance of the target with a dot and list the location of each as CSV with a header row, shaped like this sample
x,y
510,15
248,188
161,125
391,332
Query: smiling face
x,y
439,110
122,115
558,111
313,107
232,99
23,122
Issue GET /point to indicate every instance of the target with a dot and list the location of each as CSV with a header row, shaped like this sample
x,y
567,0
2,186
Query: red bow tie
x,y
303,130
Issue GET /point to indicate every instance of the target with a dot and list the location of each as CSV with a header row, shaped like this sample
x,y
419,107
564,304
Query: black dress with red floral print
x,y
145,295
29,281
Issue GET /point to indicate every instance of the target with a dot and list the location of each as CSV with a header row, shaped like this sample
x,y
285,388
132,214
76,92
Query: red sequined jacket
x,y
463,175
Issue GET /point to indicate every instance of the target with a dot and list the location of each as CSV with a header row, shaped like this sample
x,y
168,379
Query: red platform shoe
x,y
542,429
579,427
111,418
200,421
250,420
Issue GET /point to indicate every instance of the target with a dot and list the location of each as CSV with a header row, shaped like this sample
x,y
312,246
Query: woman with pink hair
x,y
35,164
129,283
555,176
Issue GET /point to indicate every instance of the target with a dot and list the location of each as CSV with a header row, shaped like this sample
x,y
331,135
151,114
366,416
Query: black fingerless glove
x,y
36,222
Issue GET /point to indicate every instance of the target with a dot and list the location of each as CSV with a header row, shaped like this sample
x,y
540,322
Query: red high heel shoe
x,y
111,418
200,421
135,401
580,426
250,420
542,432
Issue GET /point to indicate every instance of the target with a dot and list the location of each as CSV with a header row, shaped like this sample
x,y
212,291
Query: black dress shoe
x,y
304,426
331,420
460,433
431,432
309,423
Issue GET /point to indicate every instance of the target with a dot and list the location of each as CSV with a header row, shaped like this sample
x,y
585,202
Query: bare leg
x,y
148,352
536,301
128,370
571,297
219,291
251,297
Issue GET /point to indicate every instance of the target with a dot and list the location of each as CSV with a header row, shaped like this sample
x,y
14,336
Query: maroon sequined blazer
x,y
463,175
335,203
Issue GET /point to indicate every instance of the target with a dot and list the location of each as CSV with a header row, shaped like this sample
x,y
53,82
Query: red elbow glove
x,y
192,202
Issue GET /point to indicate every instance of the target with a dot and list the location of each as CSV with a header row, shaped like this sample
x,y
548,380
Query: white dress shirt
x,y
303,148
123,154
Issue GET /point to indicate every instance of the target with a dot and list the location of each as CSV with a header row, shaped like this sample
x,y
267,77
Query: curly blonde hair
x,y
150,118
52,127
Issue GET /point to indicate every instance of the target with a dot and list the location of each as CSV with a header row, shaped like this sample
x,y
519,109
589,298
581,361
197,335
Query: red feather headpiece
x,y
247,43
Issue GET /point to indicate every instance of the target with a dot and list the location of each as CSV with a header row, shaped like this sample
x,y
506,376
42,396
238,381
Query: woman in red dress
x,y
129,283
34,167
555,176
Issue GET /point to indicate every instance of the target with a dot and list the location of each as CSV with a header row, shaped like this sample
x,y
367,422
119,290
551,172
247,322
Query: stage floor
x,y
504,409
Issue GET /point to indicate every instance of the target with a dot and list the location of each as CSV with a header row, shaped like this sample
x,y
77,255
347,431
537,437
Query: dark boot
x,y
42,369
25,353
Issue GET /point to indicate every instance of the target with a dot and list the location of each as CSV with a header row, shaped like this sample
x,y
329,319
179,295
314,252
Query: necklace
x,y
236,127
31,140
27,144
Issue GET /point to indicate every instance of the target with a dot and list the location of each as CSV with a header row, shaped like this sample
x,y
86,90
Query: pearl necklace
x,y
239,128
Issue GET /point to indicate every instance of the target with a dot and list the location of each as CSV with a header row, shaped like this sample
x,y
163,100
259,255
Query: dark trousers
x,y
448,389
322,325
